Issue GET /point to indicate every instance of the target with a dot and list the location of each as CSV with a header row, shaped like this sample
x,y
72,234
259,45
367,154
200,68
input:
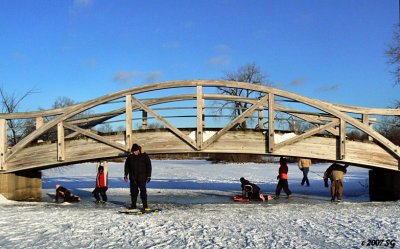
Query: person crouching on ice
x,y
101,185
251,190
138,168
65,194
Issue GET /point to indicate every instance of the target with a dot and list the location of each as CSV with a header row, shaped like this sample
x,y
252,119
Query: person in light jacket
x,y
304,165
336,173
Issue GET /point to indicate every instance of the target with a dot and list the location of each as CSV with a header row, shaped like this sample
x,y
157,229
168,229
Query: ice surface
x,y
198,211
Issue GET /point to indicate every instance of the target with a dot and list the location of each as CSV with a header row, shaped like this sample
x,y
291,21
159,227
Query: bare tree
x,y
250,73
10,104
393,54
62,101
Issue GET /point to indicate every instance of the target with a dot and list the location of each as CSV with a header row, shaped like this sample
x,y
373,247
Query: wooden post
x,y
271,128
365,120
3,143
39,123
261,118
144,120
128,129
60,142
342,139
200,117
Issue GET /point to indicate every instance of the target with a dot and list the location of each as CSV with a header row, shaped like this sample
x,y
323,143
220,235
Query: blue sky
x,y
326,49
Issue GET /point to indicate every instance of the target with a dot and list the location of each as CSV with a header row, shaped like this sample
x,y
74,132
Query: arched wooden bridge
x,y
187,113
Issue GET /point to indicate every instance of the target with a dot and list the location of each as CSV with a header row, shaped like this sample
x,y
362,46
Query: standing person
x,y
283,179
65,194
138,168
335,172
304,165
101,185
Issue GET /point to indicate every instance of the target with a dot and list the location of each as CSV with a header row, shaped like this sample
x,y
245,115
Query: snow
x,y
197,211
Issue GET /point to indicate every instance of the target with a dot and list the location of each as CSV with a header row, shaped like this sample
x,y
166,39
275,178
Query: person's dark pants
x,y
283,183
336,190
137,186
100,191
305,177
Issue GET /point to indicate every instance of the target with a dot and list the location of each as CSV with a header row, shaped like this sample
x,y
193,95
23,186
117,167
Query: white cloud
x,y
153,77
222,48
219,61
171,45
90,63
297,82
83,3
328,88
124,78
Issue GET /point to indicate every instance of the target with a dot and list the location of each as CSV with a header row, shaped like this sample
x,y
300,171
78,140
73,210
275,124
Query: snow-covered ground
x,y
198,212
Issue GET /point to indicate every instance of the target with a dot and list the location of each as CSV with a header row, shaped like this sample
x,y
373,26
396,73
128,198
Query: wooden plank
x,y
271,127
96,137
144,120
342,140
60,142
261,118
39,123
128,118
307,134
3,143
175,130
200,117
238,119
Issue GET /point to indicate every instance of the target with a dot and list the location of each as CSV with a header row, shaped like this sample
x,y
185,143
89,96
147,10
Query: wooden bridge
x,y
193,117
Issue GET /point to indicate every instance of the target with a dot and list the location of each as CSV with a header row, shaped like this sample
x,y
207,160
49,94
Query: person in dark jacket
x,y
283,179
138,169
250,190
65,194
101,185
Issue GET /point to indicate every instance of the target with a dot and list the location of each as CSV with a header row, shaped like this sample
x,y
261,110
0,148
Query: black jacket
x,y
138,167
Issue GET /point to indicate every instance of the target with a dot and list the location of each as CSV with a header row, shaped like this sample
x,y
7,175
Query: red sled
x,y
240,198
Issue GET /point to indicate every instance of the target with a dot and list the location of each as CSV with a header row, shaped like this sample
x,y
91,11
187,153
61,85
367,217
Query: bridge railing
x,y
199,105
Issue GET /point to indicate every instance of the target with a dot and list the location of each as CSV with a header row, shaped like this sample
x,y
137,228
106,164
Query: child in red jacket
x,y
101,185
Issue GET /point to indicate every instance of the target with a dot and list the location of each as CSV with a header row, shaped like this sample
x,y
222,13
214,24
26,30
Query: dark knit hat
x,y
135,147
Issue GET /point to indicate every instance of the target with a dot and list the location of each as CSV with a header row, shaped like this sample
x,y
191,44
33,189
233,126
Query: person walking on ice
x,y
304,165
283,179
101,184
336,173
138,170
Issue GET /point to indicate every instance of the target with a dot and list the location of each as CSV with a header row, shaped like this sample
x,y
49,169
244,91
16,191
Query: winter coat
x,y
101,180
304,163
335,172
283,171
138,167
255,188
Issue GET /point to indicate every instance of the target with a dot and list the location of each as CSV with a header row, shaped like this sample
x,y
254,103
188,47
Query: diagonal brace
x,y
175,130
307,134
238,119
95,136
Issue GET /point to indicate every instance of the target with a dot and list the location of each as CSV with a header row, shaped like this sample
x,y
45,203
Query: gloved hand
x,y
125,178
148,179
326,184
277,178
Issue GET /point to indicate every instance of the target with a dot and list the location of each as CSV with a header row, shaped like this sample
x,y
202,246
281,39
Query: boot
x,y
145,206
133,203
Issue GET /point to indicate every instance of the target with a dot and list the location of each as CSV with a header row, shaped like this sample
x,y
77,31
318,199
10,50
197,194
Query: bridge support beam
x,y
22,186
384,185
